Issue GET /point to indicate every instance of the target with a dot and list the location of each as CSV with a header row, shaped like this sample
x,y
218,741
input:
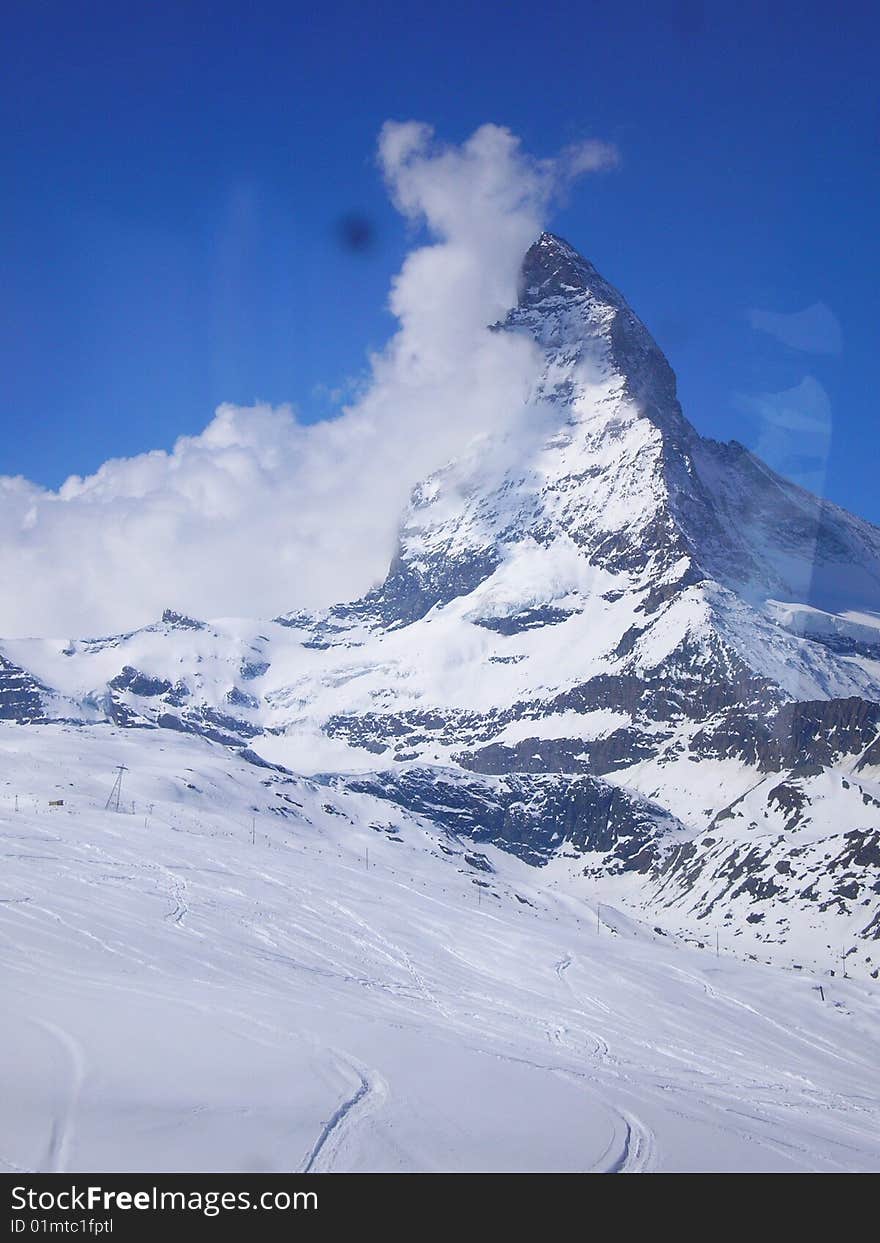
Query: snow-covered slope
x,y
245,970
600,612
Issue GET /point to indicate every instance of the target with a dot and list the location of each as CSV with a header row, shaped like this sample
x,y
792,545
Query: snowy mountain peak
x,y
570,307
610,477
552,267
601,632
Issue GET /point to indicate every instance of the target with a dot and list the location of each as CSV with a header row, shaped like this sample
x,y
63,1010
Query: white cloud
x,y
592,156
815,330
261,514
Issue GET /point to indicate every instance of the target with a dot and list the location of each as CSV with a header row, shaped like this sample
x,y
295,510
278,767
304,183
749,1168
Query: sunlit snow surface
x,y
178,997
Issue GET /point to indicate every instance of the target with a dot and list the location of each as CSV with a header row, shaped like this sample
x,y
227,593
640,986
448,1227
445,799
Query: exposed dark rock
x,y
528,619
533,817
251,669
180,621
137,683
561,755
21,695
240,699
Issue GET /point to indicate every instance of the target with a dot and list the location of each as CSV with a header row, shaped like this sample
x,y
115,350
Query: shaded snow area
x,y
358,989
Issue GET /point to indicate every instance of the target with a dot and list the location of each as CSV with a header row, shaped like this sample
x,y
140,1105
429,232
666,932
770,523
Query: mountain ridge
x,y
599,595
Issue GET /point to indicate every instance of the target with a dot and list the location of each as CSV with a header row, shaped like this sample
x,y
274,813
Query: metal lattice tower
x,y
116,793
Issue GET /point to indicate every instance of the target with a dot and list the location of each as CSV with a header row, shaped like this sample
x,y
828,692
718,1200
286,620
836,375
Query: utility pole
x,y
367,857
716,943
116,793
598,920
253,830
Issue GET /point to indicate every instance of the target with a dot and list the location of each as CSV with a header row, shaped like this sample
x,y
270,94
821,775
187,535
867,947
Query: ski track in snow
x,y
639,1146
367,1097
57,1152
178,895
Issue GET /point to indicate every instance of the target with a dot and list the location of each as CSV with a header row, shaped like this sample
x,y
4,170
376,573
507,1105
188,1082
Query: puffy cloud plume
x,y
262,514
815,330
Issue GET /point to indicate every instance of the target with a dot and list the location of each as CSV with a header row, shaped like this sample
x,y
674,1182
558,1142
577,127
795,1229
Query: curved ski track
x,y
371,1091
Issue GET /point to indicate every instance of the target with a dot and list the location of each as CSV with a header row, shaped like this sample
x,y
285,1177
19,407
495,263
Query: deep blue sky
x,y
173,177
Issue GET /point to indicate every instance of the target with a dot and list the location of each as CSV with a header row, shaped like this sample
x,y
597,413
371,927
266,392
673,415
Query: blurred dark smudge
x,y
355,232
